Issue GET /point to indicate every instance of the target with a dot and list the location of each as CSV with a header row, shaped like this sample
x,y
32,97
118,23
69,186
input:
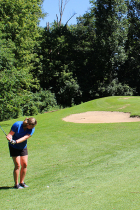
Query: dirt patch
x,y
124,106
101,117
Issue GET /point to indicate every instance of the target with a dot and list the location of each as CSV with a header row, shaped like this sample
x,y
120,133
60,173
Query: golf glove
x,y
13,142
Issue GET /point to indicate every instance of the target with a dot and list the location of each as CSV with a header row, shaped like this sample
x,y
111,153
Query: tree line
x,y
60,65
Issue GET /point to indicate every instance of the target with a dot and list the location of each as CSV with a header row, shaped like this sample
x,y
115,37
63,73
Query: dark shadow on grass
x,y
5,188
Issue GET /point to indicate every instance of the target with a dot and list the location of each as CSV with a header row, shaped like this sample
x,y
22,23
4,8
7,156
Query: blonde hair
x,y
29,121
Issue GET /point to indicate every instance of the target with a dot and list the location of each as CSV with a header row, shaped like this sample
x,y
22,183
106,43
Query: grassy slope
x,y
86,166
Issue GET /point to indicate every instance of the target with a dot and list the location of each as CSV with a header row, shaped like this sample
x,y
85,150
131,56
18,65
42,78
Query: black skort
x,y
16,152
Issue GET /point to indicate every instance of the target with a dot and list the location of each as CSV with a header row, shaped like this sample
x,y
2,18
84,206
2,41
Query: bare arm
x,y
11,133
9,136
23,138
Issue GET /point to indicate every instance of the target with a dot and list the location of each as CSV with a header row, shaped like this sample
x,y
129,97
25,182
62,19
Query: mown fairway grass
x,y
77,166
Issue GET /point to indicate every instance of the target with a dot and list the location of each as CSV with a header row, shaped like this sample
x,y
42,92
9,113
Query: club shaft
x,y
3,131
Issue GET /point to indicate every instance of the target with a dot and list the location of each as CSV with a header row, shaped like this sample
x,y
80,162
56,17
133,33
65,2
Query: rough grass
x,y
77,166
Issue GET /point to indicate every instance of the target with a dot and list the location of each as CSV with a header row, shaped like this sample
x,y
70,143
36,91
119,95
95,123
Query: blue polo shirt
x,y
17,127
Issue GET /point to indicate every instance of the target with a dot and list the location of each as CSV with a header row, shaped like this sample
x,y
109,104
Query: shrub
x,y
26,104
115,89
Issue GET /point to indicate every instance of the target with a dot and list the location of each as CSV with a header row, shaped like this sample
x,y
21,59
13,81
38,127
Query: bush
x,y
43,100
26,104
115,89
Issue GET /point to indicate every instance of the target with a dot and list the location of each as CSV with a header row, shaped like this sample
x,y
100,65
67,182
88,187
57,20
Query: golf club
x,y
3,131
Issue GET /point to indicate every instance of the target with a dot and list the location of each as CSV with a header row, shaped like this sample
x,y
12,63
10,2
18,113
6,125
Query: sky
x,y
80,7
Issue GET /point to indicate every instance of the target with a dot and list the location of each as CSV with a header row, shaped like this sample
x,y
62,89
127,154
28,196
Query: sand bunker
x,y
101,117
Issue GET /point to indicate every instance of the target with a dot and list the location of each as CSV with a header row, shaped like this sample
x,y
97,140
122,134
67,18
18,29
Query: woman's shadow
x,y
5,188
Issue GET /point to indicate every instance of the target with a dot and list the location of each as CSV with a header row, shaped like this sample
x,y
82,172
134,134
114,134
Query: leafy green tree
x,y
19,35
19,32
84,54
111,35
100,36
130,71
11,93
57,72
6,55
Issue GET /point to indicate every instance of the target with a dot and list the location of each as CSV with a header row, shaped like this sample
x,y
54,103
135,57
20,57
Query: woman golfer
x,y
17,137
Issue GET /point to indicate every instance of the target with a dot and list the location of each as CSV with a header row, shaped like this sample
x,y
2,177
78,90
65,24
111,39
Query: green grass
x,y
86,166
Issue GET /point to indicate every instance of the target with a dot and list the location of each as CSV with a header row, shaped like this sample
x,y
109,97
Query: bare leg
x,y
16,161
23,162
